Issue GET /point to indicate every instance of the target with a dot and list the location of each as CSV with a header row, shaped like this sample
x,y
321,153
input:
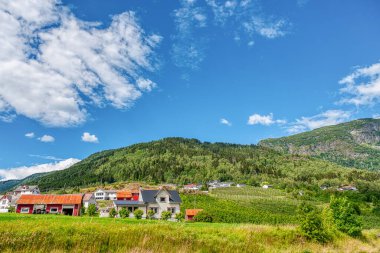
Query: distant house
x,y
347,188
218,184
26,189
101,194
5,203
267,186
190,213
156,200
192,187
241,185
67,204
88,199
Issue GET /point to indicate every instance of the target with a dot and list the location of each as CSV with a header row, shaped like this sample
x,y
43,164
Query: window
x,y
154,209
4,201
171,209
162,199
24,210
54,210
99,194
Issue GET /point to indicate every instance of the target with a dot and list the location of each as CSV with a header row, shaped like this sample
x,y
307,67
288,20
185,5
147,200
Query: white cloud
x,y
362,87
266,120
47,157
30,135
327,118
376,116
49,56
46,138
266,28
22,172
225,122
87,137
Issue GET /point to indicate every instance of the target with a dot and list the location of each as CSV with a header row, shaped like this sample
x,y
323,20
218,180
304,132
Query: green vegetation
x,y
178,160
91,210
346,216
150,214
56,233
124,213
203,216
166,215
138,213
351,144
112,213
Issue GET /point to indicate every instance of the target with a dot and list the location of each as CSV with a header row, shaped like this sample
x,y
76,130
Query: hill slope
x,y
9,184
178,160
352,144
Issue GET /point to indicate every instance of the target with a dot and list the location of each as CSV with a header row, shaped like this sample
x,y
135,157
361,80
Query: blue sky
x,y
77,77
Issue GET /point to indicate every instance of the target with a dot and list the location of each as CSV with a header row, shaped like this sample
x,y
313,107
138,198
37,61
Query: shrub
x,y
311,223
346,216
166,215
179,216
82,210
91,210
138,213
124,213
203,217
113,213
11,209
150,214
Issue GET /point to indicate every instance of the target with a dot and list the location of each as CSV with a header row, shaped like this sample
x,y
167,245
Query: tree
x,y
91,210
179,216
203,217
11,209
166,215
124,213
150,214
346,216
112,213
311,223
138,213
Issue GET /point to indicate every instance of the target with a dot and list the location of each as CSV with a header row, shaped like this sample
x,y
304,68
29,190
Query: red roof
x,y
69,199
124,194
192,212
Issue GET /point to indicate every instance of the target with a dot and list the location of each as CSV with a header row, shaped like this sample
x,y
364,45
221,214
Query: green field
x,y
55,233
259,206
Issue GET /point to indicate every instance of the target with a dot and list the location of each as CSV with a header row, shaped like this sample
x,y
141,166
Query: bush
x,y
311,223
124,213
138,213
113,213
91,210
346,216
166,215
11,209
82,210
179,216
150,214
203,217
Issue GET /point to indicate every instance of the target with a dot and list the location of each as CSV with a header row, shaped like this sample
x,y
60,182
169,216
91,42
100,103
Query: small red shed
x,y
190,213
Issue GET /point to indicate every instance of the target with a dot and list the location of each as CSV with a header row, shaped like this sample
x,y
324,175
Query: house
x,y
128,195
101,194
190,213
5,203
347,188
156,200
192,187
241,185
26,189
267,186
218,184
88,199
67,204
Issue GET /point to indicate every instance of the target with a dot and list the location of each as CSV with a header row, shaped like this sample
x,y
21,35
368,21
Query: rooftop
x,y
51,199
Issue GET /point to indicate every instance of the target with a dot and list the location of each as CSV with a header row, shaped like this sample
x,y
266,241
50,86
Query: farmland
x,y
55,233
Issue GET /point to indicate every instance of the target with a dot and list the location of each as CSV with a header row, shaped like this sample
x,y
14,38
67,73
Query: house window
x,y
162,199
24,210
54,210
171,209
4,201
99,194
154,209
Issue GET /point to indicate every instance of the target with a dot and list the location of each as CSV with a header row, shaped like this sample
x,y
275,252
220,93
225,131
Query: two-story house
x,y
26,189
101,194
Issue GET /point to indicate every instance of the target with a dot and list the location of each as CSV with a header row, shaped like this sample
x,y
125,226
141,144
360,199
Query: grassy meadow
x,y
56,233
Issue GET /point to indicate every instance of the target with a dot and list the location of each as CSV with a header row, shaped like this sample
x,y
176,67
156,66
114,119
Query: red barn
x,y
67,204
190,213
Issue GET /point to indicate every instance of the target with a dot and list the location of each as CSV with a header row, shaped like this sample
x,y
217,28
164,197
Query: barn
x,y
67,204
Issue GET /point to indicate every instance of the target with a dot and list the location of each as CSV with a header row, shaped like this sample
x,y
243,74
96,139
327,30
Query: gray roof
x,y
149,196
127,203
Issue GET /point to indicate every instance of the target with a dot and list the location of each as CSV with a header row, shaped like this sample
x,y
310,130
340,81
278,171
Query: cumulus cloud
x,y
22,172
30,135
266,120
46,138
362,87
87,137
50,57
225,122
327,118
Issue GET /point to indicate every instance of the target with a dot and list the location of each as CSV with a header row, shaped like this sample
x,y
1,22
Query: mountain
x,y
10,184
179,160
351,144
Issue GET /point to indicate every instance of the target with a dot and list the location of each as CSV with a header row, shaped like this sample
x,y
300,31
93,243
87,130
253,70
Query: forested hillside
x,y
351,144
178,160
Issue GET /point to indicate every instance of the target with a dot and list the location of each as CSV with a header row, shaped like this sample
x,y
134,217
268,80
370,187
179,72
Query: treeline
x,y
181,161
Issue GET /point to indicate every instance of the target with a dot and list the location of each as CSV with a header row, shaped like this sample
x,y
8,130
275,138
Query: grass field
x,y
55,233
258,206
